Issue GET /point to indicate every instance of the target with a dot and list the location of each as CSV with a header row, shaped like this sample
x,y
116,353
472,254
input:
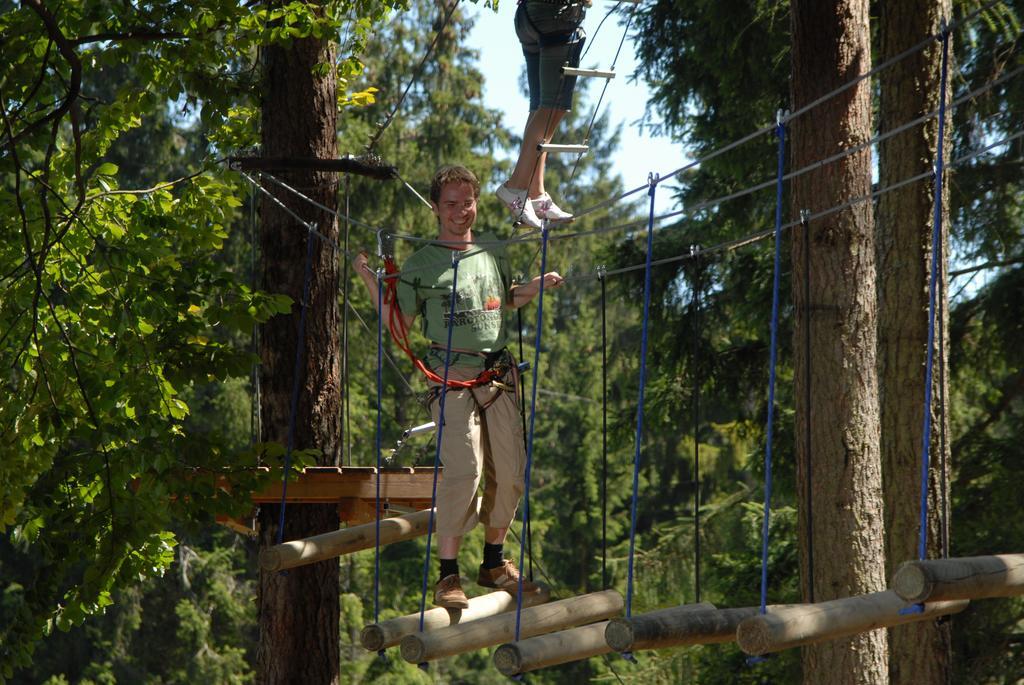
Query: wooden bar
x,y
1000,575
421,647
784,627
378,636
594,73
554,147
344,541
552,649
687,624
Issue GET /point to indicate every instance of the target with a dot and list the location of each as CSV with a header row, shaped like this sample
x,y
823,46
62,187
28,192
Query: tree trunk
x,y
921,652
831,46
299,611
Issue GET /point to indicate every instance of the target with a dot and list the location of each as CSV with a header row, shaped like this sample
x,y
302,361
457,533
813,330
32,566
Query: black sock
x,y
493,555
449,567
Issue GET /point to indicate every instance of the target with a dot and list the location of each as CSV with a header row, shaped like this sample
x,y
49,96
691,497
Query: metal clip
x,y
652,182
385,244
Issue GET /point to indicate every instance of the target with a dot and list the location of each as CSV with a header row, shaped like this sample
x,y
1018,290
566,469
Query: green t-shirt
x,y
484,280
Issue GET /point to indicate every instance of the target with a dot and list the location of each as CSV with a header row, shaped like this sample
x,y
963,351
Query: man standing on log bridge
x,y
482,431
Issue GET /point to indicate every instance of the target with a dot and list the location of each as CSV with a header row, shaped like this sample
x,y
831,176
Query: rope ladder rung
x,y
591,73
552,147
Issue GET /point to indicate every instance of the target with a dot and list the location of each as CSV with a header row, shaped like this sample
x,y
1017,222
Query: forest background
x,y
128,321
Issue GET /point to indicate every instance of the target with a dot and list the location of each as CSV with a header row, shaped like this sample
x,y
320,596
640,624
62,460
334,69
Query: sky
x,y
501,61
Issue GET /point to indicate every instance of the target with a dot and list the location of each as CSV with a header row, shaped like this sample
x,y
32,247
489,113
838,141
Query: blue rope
x,y
380,382
440,430
533,416
652,180
926,433
780,131
297,379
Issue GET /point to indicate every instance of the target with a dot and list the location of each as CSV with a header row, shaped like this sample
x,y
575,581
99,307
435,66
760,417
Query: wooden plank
x,y
784,627
552,649
378,636
344,541
422,647
324,487
1000,575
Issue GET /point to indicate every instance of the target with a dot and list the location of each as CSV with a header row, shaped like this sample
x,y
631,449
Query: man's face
x,y
456,210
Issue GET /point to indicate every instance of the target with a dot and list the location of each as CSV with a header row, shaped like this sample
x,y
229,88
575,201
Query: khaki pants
x,y
482,435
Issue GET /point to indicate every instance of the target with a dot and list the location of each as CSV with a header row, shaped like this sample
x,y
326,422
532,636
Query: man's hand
x,y
361,263
552,279
526,292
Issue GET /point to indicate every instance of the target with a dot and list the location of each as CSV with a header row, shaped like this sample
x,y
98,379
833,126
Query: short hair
x,y
452,173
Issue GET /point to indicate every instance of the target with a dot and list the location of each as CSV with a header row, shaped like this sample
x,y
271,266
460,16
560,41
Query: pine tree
x,y
831,46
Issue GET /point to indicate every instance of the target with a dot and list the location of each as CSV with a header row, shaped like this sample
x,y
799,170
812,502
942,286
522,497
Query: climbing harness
x,y
492,373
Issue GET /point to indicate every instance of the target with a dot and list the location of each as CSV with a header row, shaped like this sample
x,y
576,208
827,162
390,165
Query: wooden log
x,y
1000,575
378,636
784,627
687,624
486,632
552,649
344,541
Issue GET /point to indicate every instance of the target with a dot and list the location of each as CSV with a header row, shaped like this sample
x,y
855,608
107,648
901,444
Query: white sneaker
x,y
545,208
518,206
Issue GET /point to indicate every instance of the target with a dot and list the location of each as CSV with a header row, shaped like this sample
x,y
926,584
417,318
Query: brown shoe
x,y
505,577
448,593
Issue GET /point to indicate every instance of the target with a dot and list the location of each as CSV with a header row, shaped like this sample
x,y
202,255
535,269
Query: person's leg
x,y
448,555
504,467
529,170
543,33
456,489
560,44
494,547
448,546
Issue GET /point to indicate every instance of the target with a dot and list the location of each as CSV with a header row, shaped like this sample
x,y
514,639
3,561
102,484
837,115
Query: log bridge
x,y
998,575
678,626
494,630
378,636
785,627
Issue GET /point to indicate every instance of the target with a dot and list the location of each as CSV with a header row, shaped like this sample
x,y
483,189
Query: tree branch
x,y
38,83
67,51
140,33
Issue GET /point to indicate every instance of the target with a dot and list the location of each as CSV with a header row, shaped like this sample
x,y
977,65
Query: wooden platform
x,y
352,488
